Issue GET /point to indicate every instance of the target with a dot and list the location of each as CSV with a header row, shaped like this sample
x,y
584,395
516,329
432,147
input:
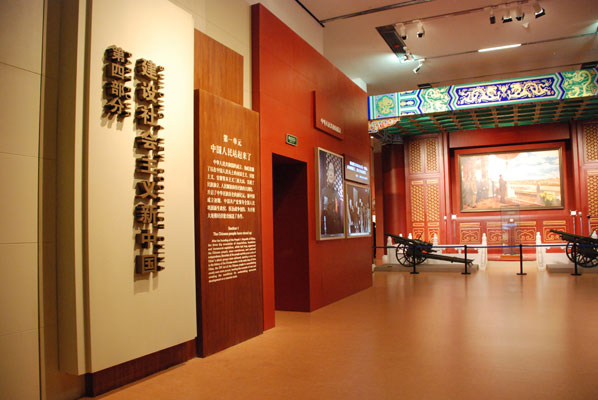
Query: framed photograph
x,y
358,210
530,179
330,209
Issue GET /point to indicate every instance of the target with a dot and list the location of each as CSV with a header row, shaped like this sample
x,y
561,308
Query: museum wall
x,y
29,32
20,159
286,71
229,22
430,203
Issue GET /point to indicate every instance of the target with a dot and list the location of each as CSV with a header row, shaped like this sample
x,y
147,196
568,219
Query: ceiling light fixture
x,y
392,39
509,46
492,17
507,15
420,29
419,65
519,14
538,9
402,30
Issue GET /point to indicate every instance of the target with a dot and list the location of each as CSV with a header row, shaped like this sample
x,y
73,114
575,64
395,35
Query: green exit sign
x,y
292,140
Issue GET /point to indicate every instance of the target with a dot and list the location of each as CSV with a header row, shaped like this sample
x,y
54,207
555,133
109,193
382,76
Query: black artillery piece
x,y
582,250
411,252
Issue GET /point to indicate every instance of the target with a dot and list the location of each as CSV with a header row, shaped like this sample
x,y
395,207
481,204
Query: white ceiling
x,y
553,41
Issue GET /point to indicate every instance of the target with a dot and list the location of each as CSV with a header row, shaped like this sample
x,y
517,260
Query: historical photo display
x,y
330,197
359,216
522,179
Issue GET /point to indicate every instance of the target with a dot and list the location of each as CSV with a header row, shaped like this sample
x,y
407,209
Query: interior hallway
x,y
490,335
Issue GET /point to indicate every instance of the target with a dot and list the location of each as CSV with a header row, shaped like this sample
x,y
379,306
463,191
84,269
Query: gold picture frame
x,y
524,179
330,209
358,210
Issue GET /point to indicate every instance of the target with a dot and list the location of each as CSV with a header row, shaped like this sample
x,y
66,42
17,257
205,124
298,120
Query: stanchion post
x,y
575,259
521,260
466,272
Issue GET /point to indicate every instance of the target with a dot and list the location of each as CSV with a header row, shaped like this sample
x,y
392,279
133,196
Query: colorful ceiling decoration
x,y
533,100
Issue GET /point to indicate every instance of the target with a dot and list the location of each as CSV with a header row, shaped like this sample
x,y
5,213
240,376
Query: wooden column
x,y
393,170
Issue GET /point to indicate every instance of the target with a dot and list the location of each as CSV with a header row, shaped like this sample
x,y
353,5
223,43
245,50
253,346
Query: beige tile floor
x,y
490,335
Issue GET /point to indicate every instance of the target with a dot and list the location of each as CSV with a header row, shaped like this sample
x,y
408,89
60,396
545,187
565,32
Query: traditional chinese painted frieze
x,y
557,86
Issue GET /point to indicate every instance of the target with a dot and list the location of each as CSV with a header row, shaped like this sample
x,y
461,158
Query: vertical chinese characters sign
x,y
150,181
116,76
229,224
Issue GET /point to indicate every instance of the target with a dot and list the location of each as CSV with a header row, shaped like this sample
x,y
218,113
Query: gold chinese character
x,y
147,115
148,189
117,89
149,92
117,71
146,263
147,214
118,55
148,69
117,106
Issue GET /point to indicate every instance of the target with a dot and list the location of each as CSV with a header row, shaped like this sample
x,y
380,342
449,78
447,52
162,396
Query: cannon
x,y
580,249
411,252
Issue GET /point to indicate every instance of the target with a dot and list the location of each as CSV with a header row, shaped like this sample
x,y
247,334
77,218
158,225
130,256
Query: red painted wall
x,y
515,139
286,70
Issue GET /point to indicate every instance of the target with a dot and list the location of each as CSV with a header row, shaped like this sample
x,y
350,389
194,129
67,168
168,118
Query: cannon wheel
x,y
414,256
589,257
571,254
402,255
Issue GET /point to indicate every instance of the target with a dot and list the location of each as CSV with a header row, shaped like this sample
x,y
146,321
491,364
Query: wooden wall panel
x,y
228,234
531,221
509,135
285,72
425,187
588,170
218,69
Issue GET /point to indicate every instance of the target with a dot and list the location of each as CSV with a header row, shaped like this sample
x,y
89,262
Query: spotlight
x,y
538,9
402,31
420,29
519,14
507,16
492,17
419,65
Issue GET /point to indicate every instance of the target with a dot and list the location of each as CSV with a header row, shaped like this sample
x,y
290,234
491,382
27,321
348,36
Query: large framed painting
x,y
531,179
358,210
330,210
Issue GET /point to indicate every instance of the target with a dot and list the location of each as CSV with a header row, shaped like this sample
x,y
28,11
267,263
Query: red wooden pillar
x,y
393,173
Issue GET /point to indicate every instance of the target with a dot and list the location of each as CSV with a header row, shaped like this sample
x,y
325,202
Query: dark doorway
x,y
291,249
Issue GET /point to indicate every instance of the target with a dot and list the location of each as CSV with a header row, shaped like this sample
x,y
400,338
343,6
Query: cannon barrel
x,y
407,241
572,237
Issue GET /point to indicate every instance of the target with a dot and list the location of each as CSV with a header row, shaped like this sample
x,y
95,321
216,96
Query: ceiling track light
x,y
519,14
506,17
492,17
538,9
420,29
419,65
402,30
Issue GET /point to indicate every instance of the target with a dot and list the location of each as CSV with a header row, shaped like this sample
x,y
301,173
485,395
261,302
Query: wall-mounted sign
x,y
290,139
149,148
328,118
356,171
116,76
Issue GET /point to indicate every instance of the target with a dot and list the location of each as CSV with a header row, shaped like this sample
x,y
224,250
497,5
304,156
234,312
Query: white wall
x,y
229,22
28,318
131,316
21,25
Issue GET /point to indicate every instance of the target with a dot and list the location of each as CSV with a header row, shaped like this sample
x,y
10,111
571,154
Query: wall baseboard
x,y
111,378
